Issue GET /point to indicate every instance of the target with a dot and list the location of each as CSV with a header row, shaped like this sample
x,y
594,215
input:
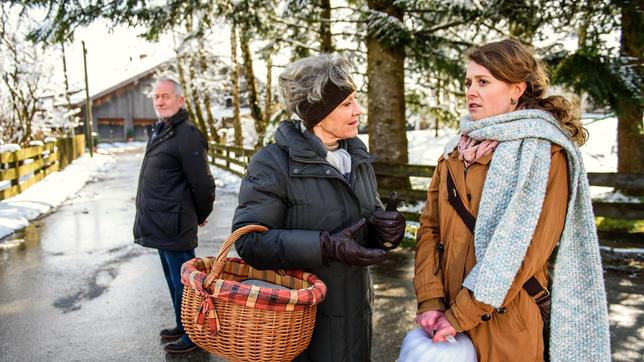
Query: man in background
x,y
176,193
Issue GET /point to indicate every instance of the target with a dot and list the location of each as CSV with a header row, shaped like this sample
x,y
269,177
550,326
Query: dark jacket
x,y
176,189
291,188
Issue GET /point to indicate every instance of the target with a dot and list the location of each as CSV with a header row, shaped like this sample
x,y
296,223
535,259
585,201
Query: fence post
x,y
71,149
62,160
16,165
19,174
40,159
66,150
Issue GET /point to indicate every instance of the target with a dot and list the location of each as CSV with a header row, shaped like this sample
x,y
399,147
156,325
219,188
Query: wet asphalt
x,y
74,286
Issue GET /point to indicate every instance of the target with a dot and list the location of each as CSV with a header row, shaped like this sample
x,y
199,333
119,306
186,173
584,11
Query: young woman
x,y
501,199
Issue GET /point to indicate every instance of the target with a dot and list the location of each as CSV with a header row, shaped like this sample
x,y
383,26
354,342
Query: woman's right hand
x,y
428,320
342,247
443,329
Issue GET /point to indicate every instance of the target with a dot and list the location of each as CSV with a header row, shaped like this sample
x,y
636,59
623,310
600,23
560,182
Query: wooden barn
x,y
124,110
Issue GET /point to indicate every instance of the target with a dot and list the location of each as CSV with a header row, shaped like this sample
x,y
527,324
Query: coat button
x,y
295,170
500,310
327,172
486,317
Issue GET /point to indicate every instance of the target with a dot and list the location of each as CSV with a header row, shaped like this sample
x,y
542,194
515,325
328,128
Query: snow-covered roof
x,y
131,79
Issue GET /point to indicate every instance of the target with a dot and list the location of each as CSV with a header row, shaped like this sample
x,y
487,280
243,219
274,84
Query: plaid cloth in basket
x,y
306,289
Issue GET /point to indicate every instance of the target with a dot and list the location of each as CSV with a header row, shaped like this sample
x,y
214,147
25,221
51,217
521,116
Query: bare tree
x,y
24,77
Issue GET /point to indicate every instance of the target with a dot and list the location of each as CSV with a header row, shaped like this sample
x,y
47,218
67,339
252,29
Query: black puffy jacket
x,y
176,189
291,188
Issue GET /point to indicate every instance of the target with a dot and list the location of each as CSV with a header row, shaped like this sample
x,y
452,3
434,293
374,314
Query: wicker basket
x,y
247,322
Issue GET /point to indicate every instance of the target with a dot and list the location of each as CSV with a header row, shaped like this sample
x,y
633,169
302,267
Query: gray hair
x,y
305,79
177,86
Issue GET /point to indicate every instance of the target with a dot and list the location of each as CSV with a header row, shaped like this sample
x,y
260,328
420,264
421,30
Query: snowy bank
x,y
116,147
225,181
53,190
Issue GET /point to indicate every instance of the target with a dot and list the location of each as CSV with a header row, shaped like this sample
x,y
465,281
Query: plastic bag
x,y
419,347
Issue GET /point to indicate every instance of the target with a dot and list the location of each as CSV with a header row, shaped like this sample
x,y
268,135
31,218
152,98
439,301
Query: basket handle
x,y
220,262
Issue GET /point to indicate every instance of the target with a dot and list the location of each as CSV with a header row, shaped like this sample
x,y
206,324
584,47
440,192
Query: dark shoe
x,y
170,334
180,347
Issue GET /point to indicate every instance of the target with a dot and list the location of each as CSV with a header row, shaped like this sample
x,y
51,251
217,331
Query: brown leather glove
x,y
386,229
341,247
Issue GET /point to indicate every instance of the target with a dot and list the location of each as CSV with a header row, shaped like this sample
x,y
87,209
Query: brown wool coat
x,y
514,332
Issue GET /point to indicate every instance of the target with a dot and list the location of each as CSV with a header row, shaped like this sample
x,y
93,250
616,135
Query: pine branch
x,y
299,44
447,26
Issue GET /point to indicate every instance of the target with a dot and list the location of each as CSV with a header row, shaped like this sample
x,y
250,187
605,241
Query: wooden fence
x,y
619,210
25,167
230,158
235,160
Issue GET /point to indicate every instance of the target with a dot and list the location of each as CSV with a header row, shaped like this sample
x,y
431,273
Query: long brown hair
x,y
511,62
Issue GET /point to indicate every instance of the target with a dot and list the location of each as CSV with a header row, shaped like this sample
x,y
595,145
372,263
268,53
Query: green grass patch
x,y
603,224
409,241
621,225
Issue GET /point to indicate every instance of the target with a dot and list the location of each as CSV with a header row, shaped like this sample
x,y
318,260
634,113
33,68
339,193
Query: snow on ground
x,y
600,151
224,180
422,146
44,196
116,147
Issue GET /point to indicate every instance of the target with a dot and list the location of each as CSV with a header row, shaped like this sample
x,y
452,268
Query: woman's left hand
x,y
443,328
387,228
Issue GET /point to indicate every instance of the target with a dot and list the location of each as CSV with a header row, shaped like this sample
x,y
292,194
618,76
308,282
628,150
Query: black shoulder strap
x,y
532,285
455,200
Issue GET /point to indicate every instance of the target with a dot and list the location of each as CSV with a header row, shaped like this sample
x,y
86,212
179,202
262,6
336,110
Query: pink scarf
x,y
471,150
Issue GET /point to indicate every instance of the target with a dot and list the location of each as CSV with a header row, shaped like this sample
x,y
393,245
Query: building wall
x,y
114,114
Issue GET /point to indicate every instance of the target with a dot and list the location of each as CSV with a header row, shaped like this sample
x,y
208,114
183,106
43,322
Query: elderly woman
x,y
316,191
509,190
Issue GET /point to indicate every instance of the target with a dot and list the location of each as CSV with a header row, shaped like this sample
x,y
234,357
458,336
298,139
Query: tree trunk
x,y
235,80
630,132
207,103
437,94
268,100
199,120
184,85
386,97
253,99
326,40
68,101
182,77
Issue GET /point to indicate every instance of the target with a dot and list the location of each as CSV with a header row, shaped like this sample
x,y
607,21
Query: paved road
x,y
79,289
75,288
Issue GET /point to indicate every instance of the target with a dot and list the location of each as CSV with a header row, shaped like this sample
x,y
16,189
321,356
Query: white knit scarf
x,y
510,207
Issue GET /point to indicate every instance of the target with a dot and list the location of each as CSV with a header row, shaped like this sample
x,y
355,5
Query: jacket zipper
x,y
356,203
344,182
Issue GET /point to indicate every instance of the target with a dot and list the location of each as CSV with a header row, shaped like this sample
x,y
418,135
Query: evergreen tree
x,y
611,76
386,36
